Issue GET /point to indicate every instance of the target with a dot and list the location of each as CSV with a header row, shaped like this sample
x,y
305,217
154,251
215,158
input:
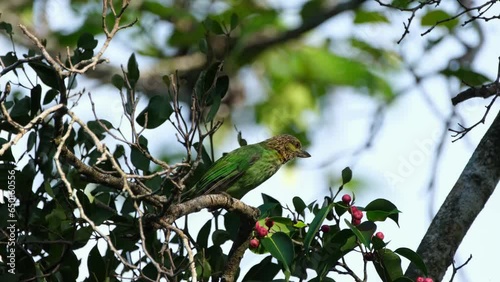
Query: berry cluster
x,y
260,232
422,279
356,214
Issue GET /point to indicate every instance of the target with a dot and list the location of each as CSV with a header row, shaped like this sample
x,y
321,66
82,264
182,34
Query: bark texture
x,y
465,201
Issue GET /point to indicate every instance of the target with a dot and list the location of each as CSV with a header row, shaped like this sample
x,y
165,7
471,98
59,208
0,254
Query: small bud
x,y
428,279
254,243
368,256
325,228
346,199
380,235
420,279
269,222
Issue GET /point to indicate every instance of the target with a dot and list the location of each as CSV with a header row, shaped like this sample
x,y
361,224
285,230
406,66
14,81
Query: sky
x,y
396,168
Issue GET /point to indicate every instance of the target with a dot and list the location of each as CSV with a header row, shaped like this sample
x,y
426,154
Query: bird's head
x,y
287,146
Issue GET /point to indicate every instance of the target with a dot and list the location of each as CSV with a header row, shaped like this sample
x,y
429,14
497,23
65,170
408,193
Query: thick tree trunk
x,y
465,201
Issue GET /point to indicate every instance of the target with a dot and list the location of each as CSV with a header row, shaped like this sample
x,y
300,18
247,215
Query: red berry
x,y
269,222
254,243
380,235
325,228
260,230
353,209
346,199
420,279
428,280
356,221
357,215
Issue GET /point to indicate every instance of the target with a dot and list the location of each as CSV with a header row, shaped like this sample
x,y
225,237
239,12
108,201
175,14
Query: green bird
x,y
245,168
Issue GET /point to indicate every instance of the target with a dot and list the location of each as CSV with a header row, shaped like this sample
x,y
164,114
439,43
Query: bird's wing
x,y
228,169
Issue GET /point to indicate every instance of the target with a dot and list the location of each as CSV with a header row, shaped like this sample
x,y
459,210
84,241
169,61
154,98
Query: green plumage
x,y
245,168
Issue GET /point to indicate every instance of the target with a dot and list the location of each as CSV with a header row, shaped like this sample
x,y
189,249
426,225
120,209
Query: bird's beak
x,y
303,154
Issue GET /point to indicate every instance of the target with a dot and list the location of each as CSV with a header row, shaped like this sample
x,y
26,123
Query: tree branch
x,y
253,49
465,201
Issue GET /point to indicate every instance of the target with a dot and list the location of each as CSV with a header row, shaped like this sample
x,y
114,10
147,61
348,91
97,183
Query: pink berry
x,y
325,228
260,230
357,214
420,279
380,235
356,221
254,243
346,199
428,280
269,222
353,209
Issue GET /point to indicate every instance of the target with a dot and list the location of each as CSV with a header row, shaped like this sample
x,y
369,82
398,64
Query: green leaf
x,y
46,73
87,41
49,96
299,206
346,175
36,96
321,279
48,189
208,80
7,27
214,108
272,207
157,111
213,26
310,10
138,159
363,232
315,225
281,224
265,270
234,21
345,240
9,58
363,16
389,266
7,156
414,258
96,266
207,161
222,85
20,110
117,81
467,76
216,258
219,237
31,141
132,70
434,16
281,247
202,238
403,279
69,267
381,209
97,129
378,243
